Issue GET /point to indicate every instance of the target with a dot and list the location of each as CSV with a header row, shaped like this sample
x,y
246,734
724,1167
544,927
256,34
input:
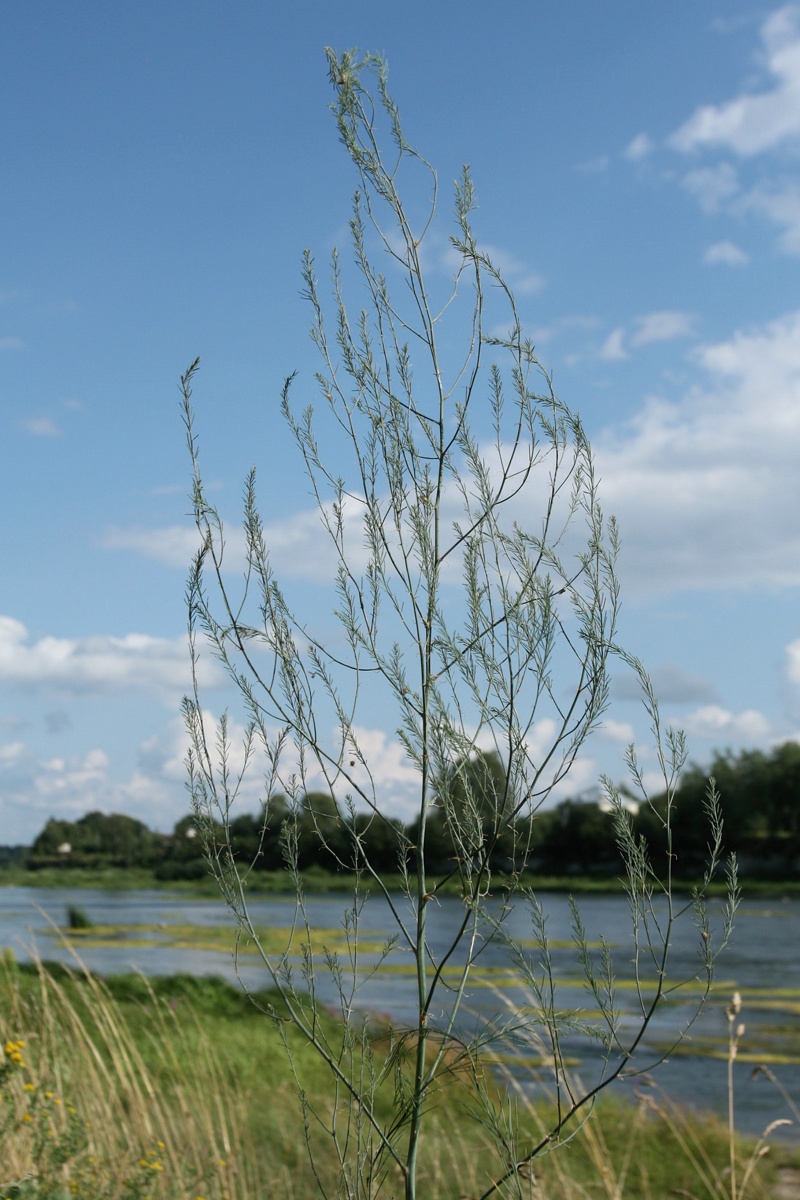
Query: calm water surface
x,y
762,962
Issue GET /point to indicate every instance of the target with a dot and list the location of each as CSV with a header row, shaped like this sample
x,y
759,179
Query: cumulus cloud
x,y
716,724
706,487
726,253
793,662
173,545
780,204
11,753
440,258
638,148
34,789
97,664
299,546
718,189
617,731
662,327
386,770
522,280
712,186
754,122
760,127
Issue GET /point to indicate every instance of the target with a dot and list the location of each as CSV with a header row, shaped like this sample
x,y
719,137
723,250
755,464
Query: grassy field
x,y
181,1088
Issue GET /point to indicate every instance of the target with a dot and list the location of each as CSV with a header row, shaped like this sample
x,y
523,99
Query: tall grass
x,y
109,1104
173,1088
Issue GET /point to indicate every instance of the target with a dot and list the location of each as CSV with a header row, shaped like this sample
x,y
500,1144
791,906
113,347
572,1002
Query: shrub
x,y
476,596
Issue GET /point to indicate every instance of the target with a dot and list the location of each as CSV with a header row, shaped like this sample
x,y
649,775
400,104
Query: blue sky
x,y
163,168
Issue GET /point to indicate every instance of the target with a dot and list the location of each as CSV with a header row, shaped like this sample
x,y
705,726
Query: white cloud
x,y
752,123
793,662
388,762
780,204
161,767
98,664
662,327
163,756
522,280
584,773
617,731
11,343
706,488
717,723
173,545
712,186
638,148
42,427
726,253
35,789
613,348
439,257
651,327
299,546
11,753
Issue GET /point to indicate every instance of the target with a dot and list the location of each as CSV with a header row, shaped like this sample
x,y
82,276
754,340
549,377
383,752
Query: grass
x,y
317,881
180,1087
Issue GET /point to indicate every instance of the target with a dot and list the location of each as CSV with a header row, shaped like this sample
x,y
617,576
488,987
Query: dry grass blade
x,y
107,1106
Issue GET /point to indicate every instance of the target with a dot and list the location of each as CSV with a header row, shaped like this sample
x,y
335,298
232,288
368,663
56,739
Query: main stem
x,y
731,1113
423,898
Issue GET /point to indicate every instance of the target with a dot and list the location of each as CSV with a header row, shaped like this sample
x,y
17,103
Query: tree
x,y
580,837
96,839
474,798
323,839
478,626
784,806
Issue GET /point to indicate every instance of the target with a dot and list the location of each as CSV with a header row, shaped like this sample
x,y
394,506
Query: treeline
x,y
760,800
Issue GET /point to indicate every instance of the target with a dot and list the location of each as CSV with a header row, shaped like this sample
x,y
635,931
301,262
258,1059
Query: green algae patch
x,y
218,939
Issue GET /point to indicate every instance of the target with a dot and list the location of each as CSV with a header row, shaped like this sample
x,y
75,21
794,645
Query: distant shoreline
x,y
320,882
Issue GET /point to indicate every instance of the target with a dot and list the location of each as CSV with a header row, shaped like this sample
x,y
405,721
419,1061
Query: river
x,y
152,932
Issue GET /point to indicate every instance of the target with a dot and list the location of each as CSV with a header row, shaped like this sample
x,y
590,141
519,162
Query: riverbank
x,y
180,1087
319,882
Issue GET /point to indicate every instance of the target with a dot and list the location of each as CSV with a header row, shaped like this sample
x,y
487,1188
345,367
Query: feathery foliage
x,y
476,600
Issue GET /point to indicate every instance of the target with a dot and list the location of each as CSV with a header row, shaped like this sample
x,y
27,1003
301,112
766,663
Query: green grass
x,y
181,1087
317,881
